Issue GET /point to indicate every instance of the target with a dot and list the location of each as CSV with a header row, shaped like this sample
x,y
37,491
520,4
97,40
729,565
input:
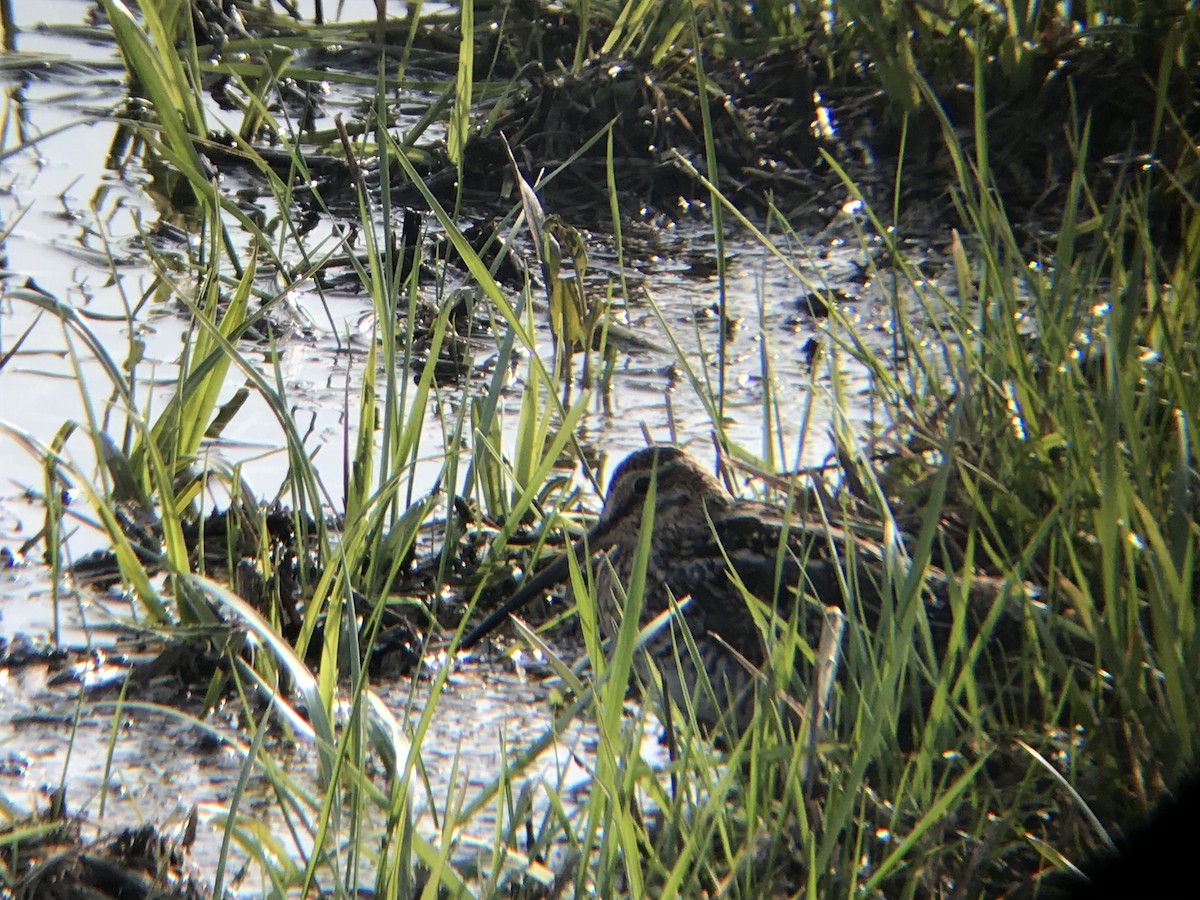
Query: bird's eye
x,y
641,484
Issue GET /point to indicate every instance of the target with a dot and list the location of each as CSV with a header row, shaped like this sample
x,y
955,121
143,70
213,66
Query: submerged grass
x,y
1043,416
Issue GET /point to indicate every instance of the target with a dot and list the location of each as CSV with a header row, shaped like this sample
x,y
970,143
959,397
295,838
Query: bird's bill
x,y
555,573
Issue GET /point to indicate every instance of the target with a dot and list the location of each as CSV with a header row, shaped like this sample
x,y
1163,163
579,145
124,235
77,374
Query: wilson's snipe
x,y
701,535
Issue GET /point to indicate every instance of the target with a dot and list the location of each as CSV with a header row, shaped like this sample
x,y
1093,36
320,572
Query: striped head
x,y
685,495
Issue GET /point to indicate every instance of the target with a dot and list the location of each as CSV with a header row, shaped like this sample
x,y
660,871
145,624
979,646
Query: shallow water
x,y
68,211
164,760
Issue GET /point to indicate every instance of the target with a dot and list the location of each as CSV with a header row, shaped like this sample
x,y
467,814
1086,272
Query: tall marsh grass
x,y
1044,419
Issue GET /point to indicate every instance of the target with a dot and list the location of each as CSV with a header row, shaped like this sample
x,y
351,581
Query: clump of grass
x,y
352,829
1054,426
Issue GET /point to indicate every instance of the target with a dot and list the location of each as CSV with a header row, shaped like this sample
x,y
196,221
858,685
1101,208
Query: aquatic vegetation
x,y
1004,375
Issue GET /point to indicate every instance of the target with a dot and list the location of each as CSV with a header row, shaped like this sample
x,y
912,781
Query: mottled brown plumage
x,y
701,537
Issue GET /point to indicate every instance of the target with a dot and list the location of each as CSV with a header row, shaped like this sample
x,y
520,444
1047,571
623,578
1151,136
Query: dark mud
x,y
777,118
774,116
60,864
